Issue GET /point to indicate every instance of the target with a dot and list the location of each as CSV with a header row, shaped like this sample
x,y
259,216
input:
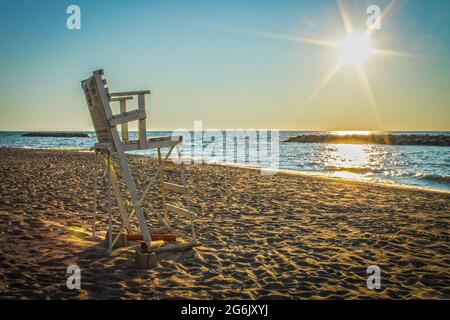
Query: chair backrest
x,y
95,90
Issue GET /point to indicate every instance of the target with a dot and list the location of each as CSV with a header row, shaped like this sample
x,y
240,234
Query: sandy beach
x,y
282,236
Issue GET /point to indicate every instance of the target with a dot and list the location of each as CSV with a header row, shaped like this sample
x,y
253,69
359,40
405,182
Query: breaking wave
x,y
433,177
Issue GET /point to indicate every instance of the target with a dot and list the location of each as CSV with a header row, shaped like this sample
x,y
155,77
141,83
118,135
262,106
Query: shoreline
x,y
293,172
319,175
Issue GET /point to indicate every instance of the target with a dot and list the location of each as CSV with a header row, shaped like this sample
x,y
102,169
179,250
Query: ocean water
x,y
418,166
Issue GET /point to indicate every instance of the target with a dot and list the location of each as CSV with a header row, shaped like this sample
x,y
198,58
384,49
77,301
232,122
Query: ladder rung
x,y
174,187
180,211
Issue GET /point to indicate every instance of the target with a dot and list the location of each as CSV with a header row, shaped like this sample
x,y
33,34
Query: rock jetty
x,y
57,134
391,139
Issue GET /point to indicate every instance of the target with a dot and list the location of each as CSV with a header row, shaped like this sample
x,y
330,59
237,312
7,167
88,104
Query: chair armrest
x,y
121,98
129,93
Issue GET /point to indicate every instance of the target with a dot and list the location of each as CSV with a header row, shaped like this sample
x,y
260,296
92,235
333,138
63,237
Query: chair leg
x,y
95,193
108,173
161,182
118,195
134,197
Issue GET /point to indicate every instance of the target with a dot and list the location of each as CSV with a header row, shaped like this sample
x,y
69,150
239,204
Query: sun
x,y
355,49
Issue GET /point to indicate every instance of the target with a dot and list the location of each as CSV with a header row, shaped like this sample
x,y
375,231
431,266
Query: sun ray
x,y
345,18
369,93
281,36
322,84
275,35
401,54
390,10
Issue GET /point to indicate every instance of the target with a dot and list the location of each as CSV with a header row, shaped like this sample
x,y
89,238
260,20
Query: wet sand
x,y
282,236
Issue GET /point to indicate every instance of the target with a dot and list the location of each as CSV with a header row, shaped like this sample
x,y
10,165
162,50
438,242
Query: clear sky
x,y
231,64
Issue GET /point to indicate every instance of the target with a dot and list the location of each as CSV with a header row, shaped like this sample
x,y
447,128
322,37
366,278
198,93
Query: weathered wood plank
x,y
174,187
133,145
121,98
127,117
129,93
124,126
142,123
177,210
176,247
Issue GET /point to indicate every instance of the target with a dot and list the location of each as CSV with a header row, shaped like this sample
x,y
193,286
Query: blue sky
x,y
218,61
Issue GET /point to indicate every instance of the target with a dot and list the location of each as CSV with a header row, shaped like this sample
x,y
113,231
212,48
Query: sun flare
x,y
355,49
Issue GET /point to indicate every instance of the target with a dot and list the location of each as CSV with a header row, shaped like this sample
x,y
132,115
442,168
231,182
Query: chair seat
x,y
133,145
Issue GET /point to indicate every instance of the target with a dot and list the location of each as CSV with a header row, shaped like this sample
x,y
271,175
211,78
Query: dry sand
x,y
279,236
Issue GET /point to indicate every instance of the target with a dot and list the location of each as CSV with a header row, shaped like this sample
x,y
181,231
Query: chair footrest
x,y
177,247
170,247
155,236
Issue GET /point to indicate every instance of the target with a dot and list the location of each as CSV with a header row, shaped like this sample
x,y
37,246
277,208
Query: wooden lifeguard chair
x,y
109,143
